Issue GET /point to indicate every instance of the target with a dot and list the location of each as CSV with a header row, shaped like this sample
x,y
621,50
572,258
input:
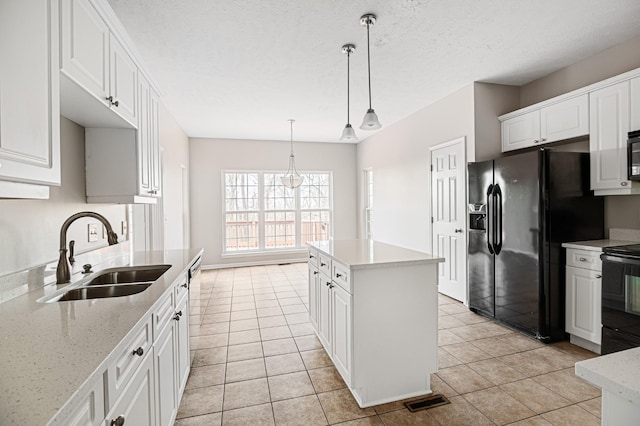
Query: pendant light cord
x,y
369,63
348,56
291,125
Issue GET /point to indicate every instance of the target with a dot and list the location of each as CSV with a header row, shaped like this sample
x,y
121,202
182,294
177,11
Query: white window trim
x,y
262,250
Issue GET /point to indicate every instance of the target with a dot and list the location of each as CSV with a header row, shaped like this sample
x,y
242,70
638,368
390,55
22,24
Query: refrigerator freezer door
x,y
481,266
517,266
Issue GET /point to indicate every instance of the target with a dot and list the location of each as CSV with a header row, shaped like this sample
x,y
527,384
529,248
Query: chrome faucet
x,y
63,272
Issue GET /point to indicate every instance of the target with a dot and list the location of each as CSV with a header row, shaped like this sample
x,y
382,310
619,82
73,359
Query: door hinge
x,y
431,219
431,167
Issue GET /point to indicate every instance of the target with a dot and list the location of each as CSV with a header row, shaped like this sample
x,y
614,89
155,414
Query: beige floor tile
x,y
214,419
448,321
282,364
391,406
275,333
246,394
571,415
466,352
365,421
315,358
495,346
200,401
240,337
305,410
292,385
214,328
210,356
200,377
243,299
279,347
239,371
495,371
445,359
458,413
306,343
300,318
218,309
290,301
470,317
446,337
304,329
326,379
568,385
535,396
240,315
269,312
439,386
520,342
244,351
213,341
294,309
287,294
532,363
498,406
209,318
267,303
453,308
463,379
243,325
340,406
593,406
407,418
275,321
532,421
267,294
257,415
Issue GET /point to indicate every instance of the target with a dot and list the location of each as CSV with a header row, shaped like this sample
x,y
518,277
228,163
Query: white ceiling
x,y
240,69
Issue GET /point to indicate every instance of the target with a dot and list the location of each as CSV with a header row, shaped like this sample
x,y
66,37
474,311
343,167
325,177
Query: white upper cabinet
x,y
29,98
635,104
609,124
97,72
559,121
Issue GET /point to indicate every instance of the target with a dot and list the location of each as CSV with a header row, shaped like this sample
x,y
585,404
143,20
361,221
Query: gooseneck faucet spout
x,y
63,272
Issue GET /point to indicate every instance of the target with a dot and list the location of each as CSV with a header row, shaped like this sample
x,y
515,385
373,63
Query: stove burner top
x,y
632,250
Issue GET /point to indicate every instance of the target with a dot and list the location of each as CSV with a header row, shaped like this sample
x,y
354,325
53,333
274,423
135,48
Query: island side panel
x,y
395,332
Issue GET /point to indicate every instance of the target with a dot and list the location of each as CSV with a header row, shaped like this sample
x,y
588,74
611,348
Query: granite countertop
x,y
606,372
359,254
50,350
597,245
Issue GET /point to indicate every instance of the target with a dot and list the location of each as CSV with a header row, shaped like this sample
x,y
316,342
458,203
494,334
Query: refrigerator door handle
x,y
497,194
490,219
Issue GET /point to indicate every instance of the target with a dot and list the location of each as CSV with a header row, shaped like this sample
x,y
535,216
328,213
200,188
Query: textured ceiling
x,y
240,69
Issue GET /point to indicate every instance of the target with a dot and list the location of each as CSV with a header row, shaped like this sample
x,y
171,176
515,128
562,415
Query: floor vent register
x,y
430,401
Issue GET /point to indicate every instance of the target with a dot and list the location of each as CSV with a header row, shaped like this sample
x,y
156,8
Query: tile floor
x,y
259,363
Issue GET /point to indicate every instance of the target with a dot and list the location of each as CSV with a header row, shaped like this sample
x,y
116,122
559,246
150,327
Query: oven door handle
x,y
620,259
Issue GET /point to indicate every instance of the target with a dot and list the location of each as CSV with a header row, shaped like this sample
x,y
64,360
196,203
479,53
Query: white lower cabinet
x,y
90,408
136,405
583,315
314,288
165,355
324,312
182,344
341,328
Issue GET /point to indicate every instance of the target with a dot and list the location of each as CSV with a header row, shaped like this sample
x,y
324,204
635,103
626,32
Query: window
x,y
261,214
368,208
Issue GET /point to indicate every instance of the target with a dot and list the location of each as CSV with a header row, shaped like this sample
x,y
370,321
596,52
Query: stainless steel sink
x,y
99,292
129,274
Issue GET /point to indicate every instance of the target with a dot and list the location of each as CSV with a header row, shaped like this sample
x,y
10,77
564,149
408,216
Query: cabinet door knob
x,y
119,421
331,286
116,104
185,285
598,276
458,231
623,183
311,256
315,272
322,264
138,352
176,317
110,99
536,141
338,275
543,139
328,283
582,259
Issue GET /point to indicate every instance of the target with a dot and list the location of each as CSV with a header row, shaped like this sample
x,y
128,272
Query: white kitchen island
x,y
374,307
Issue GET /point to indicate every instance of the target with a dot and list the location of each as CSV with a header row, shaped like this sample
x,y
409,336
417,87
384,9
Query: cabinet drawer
x,y
584,259
129,357
313,256
324,264
90,409
341,276
162,314
182,288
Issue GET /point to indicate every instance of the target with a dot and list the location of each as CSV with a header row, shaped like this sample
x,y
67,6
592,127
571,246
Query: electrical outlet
x,y
124,227
93,232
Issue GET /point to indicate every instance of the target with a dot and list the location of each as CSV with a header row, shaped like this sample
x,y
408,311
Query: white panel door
x,y
123,82
448,191
583,313
324,312
521,132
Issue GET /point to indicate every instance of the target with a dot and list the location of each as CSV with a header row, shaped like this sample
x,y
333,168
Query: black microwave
x,y
633,156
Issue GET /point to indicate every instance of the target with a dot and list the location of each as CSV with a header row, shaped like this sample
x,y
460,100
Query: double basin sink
x,y
114,282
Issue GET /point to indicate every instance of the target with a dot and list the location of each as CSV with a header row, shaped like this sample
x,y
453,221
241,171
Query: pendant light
x,y
292,179
370,121
348,134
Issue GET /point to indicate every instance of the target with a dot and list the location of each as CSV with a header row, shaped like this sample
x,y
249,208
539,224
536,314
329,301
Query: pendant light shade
x,y
292,178
370,121
348,134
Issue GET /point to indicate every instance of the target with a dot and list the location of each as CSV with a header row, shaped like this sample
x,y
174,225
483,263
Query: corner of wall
x,y
490,101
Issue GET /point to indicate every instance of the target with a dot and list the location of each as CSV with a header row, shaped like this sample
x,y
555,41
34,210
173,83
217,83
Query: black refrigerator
x,y
521,209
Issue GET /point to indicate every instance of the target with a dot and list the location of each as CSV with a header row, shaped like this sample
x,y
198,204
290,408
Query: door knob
x,y
458,231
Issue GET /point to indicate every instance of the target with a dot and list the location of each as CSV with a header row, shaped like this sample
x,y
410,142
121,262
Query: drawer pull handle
x,y
311,256
331,286
328,283
138,352
582,259
598,276
185,285
338,275
119,421
322,264
315,272
176,317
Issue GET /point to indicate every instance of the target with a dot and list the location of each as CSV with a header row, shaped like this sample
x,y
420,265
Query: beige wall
x,y
30,229
175,168
621,211
208,159
491,101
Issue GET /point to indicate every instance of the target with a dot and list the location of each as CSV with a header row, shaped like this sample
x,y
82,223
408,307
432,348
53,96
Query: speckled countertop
x,y
50,350
596,245
618,373
359,254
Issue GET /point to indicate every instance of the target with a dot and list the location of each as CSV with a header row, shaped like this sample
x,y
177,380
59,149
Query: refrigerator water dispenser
x,y
477,216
